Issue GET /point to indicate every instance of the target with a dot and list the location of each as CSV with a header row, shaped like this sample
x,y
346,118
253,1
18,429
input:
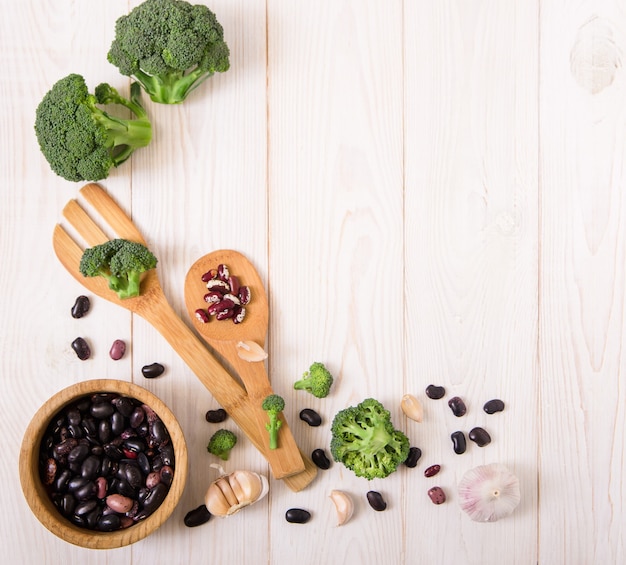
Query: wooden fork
x,y
152,305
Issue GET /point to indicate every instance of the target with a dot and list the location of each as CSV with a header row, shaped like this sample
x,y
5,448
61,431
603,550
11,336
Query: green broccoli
x,y
170,47
81,141
119,261
273,404
365,441
317,380
221,443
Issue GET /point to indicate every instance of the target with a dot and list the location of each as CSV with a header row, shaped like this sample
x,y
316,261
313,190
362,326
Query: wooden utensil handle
x,y
228,393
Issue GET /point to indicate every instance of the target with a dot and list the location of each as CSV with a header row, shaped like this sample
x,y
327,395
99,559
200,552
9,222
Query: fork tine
x,y
111,212
84,225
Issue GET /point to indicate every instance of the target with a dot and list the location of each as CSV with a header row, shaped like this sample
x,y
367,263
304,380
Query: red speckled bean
x,y
437,495
119,503
118,349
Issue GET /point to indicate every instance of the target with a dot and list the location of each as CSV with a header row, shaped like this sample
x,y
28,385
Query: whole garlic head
x,y
489,492
230,493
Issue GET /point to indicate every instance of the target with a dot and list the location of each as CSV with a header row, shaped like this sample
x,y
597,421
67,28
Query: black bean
x,y
154,498
74,417
135,445
90,467
143,462
102,410
109,523
78,453
435,392
197,516
167,454
85,507
88,490
311,417
159,433
118,423
458,442
216,416
414,456
152,371
319,458
376,500
297,516
81,348
493,406
480,436
80,307
457,406
137,417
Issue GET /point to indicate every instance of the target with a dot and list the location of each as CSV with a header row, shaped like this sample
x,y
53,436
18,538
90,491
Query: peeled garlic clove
x,y
412,408
489,492
251,351
343,504
230,493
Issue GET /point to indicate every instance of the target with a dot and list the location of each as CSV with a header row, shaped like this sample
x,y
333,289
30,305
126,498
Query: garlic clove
x,y
230,493
343,505
250,351
488,493
412,408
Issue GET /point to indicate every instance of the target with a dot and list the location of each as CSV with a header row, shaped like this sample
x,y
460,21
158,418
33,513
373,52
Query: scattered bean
x,y
376,500
99,480
432,470
118,349
152,371
493,406
480,436
458,442
437,495
202,316
414,456
457,406
80,307
297,516
81,348
197,516
216,416
435,392
319,458
311,417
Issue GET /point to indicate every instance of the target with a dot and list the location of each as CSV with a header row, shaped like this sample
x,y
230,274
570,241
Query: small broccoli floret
x,y
317,380
273,405
170,47
81,141
221,443
365,441
119,261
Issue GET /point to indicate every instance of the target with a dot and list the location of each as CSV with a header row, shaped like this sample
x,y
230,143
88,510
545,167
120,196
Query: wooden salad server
x,y
230,339
152,305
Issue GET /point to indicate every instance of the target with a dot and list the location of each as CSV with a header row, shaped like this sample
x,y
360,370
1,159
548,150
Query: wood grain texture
x,y
429,191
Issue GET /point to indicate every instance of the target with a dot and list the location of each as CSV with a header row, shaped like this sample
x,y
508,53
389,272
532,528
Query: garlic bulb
x,y
343,504
489,492
250,351
230,493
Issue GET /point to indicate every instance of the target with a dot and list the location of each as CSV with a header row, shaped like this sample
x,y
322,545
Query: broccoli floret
x,y
170,47
273,405
317,380
221,443
365,441
82,141
119,261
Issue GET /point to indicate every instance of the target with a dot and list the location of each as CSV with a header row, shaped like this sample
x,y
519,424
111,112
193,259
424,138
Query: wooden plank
x,y
471,262
335,193
582,284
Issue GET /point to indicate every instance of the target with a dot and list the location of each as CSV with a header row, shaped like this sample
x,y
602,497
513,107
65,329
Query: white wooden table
x,y
434,192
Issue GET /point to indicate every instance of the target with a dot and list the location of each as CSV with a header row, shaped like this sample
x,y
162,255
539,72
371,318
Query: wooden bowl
x,y
35,491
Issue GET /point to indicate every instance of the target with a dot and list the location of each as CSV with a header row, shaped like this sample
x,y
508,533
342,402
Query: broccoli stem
x,y
172,88
272,427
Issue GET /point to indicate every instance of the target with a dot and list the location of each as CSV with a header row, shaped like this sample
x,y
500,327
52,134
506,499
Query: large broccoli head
x,y
170,47
81,141
365,440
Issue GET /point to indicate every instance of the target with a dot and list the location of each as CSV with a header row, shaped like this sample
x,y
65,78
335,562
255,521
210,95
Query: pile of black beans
x,y
107,461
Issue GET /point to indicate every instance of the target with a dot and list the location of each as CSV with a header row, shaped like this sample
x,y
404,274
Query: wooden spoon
x,y
225,336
